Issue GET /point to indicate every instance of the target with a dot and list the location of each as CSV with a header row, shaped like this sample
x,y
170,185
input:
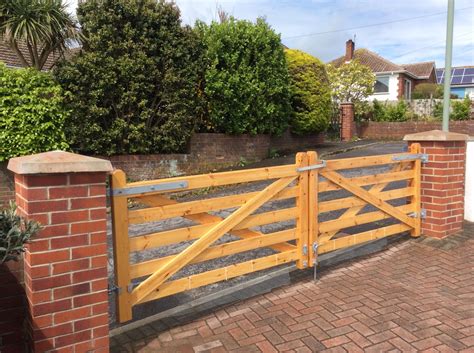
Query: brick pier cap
x,y
442,181
57,162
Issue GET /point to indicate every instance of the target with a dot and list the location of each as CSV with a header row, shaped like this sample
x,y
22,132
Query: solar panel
x,y
456,80
459,76
467,79
469,71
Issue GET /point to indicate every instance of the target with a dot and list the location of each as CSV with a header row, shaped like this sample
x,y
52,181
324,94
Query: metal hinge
x,y
313,166
113,288
177,185
409,157
415,215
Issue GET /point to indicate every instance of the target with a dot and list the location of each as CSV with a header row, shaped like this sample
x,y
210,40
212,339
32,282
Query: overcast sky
x,y
301,22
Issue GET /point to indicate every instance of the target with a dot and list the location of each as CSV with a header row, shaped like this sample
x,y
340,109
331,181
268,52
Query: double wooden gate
x,y
214,227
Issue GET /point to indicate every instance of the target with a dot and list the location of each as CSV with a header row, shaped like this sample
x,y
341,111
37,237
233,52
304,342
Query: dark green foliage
x,y
311,93
427,90
133,88
460,109
391,112
32,113
246,78
14,233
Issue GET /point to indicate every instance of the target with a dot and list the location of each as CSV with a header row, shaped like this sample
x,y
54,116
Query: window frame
x,y
388,84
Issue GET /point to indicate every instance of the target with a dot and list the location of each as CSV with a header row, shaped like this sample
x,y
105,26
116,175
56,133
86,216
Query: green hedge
x,y
32,113
460,110
311,93
134,86
246,83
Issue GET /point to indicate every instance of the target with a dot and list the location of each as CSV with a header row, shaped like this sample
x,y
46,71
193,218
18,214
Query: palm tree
x,y
43,26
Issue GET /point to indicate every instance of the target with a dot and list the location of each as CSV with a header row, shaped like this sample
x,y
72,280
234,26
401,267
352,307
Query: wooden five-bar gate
x,y
313,206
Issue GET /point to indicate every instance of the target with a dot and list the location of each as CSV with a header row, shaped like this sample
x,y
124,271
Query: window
x,y
381,84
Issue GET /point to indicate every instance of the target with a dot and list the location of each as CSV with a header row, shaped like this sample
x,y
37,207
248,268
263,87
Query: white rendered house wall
x,y
469,194
392,94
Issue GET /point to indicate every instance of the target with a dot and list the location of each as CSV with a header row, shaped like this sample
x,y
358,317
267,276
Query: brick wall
x,y
7,192
396,130
208,152
12,307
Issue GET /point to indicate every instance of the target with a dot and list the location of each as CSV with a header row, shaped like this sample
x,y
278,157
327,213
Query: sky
x,y
321,27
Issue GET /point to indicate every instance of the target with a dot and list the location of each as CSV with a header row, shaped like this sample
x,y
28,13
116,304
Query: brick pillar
x,y
442,181
347,121
65,265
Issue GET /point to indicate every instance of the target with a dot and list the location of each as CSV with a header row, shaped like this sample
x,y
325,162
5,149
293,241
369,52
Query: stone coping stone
x,y
55,162
436,135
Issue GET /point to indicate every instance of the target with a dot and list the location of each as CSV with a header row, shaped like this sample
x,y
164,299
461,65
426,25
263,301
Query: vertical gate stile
x,y
121,247
303,212
313,209
416,184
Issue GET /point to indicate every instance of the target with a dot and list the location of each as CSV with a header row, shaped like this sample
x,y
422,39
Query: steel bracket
x,y
112,288
135,190
313,166
409,157
305,249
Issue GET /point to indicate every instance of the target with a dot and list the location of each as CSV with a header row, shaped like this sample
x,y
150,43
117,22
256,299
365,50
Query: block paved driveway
x,y
416,296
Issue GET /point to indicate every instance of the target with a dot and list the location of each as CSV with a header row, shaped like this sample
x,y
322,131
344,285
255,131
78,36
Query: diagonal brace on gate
x,y
174,265
366,196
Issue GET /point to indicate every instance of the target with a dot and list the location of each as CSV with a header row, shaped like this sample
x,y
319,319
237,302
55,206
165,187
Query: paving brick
x,y
416,296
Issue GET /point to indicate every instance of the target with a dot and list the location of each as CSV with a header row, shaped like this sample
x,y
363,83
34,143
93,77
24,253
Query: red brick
x,y
87,178
46,206
53,307
89,275
91,322
90,299
69,216
88,227
48,257
72,315
88,202
71,291
70,266
45,180
70,241
50,282
89,251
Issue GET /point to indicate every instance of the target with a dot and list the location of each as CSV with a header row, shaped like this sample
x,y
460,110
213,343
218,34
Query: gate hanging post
x,y
302,237
313,230
121,247
416,184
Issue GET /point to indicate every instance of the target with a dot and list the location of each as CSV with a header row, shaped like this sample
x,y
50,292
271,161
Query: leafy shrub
x,y
133,87
459,109
427,90
363,111
14,233
311,94
392,112
32,113
246,83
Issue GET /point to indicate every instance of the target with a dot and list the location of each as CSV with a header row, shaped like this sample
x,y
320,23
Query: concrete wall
x,y
469,194
396,130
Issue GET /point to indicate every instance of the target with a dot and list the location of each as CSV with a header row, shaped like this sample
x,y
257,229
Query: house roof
x,y
379,64
422,70
9,57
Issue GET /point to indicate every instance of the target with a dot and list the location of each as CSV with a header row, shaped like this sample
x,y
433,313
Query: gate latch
x,y
313,166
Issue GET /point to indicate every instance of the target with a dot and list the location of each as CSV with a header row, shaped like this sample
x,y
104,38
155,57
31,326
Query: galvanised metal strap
x,y
149,188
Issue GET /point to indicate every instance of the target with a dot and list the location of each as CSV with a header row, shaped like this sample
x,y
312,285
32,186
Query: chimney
x,y
350,45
